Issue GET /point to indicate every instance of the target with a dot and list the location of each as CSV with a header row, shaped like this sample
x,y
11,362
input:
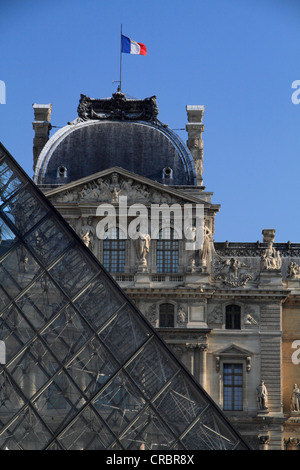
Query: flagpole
x,y
120,86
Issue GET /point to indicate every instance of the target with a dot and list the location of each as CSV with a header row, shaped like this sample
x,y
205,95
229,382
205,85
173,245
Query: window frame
x,y
236,402
167,252
111,250
233,319
170,314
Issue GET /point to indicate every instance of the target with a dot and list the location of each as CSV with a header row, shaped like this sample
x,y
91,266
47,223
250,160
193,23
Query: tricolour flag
x,y
132,47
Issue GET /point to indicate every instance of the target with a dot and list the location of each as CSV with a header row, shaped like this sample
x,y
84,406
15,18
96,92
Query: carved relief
x,y
293,271
250,316
152,315
117,107
232,272
110,188
215,316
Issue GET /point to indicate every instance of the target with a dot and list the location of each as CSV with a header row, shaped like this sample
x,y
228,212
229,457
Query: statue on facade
x,y
295,399
87,233
262,396
271,258
142,246
191,254
181,315
206,245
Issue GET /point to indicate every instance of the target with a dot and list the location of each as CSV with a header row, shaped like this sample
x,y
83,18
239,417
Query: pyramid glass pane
x,y
80,367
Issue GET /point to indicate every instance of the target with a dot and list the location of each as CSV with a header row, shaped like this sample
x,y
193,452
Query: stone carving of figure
x,y
234,266
216,315
87,233
293,270
181,315
262,396
271,258
152,315
114,181
142,246
295,399
206,245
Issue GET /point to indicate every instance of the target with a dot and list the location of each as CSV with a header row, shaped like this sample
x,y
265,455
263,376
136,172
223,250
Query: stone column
x,y
191,356
42,127
202,375
194,128
197,361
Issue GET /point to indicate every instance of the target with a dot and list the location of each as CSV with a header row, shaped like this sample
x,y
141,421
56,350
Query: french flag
x,y
132,47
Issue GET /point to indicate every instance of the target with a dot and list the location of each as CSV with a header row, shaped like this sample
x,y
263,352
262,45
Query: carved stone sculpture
x,y
215,316
295,399
152,315
293,271
206,246
181,315
262,396
87,233
271,258
232,272
117,107
142,246
250,316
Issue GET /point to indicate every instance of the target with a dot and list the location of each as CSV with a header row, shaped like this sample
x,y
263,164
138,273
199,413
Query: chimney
x,y
41,127
194,128
268,235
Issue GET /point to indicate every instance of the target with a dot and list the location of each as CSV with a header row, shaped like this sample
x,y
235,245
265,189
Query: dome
x,y
101,138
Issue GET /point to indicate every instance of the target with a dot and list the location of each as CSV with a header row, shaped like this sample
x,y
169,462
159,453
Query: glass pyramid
x,y
80,367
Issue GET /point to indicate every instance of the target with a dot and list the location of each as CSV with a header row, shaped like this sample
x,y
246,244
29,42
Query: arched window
x,y
166,315
114,246
233,317
167,251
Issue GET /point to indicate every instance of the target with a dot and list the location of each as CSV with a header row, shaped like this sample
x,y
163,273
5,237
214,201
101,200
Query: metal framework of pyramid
x,y
80,367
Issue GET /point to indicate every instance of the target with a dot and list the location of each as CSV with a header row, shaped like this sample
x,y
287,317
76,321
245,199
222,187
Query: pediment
x,y
234,350
109,185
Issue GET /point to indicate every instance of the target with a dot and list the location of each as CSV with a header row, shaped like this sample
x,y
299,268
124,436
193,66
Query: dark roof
x,y
104,136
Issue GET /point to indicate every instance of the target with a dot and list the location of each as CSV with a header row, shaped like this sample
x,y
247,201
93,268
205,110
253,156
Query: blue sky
x,y
238,58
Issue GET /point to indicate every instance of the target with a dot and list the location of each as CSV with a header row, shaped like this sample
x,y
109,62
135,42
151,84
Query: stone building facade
x,y
229,311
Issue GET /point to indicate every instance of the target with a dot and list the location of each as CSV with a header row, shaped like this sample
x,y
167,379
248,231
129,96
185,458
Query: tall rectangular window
x,y
114,251
166,315
167,251
233,387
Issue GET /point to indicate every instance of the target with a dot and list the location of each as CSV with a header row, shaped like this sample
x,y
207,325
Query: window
x,y
114,247
166,315
233,387
167,251
61,172
233,317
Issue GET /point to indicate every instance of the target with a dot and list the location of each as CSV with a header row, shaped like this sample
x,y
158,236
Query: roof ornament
x,y
117,108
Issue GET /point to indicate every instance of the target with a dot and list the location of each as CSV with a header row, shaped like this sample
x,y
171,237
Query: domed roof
x,y
115,132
